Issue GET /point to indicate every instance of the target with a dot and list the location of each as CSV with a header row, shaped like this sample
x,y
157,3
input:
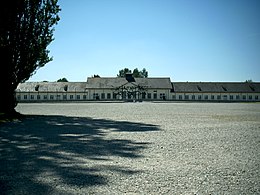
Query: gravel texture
x,y
132,148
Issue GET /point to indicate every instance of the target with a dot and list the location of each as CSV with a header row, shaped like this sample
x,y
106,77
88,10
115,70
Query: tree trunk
x,y
7,83
7,99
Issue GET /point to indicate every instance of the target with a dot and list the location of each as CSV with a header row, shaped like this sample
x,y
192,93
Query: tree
x,y
62,80
249,81
26,29
144,73
136,73
123,72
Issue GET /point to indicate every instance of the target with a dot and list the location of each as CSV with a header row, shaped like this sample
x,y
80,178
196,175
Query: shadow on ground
x,y
41,152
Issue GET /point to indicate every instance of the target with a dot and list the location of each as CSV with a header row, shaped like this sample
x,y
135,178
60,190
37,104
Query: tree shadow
x,y
40,152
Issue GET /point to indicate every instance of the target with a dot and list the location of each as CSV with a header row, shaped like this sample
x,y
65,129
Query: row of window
x,y
51,97
216,97
96,96
115,96
149,96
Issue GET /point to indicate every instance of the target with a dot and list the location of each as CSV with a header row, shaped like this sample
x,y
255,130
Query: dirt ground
x,y
132,148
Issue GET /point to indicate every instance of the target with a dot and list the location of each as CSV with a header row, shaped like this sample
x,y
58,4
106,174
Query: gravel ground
x,y
132,148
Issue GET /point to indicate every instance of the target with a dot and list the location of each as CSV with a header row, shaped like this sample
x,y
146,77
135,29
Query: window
x,y
51,97
114,95
45,97
231,97
71,97
103,96
96,96
162,96
143,95
212,97
225,97
109,96
244,97
84,97
18,97
65,97
38,97
193,97
256,97
186,97
32,97
25,97
206,97
78,97
250,97
237,97
180,97
219,97
58,97
174,97
199,97
155,96
149,96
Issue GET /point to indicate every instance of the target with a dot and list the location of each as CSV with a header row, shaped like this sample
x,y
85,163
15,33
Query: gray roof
x,y
113,82
218,87
152,83
52,86
92,83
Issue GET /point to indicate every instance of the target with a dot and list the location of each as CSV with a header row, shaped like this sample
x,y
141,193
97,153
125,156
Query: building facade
x,y
140,89
216,91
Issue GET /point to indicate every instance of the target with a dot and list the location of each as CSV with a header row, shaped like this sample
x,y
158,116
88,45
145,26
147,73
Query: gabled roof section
x,y
216,87
114,82
51,86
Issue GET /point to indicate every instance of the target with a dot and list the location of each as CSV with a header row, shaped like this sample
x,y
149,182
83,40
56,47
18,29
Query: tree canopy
x,y
26,30
136,73
62,80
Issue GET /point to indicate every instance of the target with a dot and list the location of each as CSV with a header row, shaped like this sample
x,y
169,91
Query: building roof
x,y
114,82
51,86
215,87
150,83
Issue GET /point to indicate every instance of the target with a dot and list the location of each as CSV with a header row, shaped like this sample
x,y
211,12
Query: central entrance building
x,y
106,88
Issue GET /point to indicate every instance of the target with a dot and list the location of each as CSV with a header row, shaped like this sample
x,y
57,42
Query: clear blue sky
x,y
187,40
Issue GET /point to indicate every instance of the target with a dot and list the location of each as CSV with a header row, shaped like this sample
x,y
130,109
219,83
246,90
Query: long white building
x,y
138,89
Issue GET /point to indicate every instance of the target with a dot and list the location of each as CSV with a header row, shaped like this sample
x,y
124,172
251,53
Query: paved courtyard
x,y
132,148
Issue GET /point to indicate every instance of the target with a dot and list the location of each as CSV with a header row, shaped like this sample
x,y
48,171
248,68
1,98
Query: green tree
x,y
136,73
26,29
144,73
123,72
62,80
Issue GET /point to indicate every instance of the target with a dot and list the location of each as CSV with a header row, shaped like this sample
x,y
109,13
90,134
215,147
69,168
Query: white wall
x,y
51,96
151,94
216,96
